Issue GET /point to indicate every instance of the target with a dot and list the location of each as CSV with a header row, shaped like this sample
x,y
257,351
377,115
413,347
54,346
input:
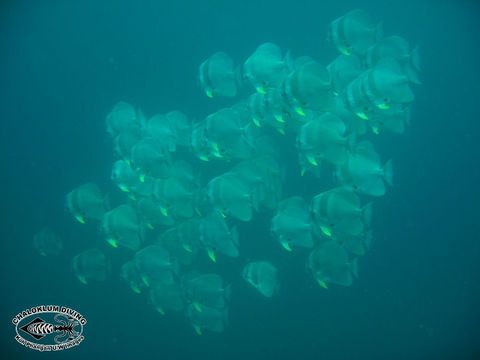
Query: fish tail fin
x,y
255,198
107,205
228,292
367,213
288,61
351,140
412,74
415,58
175,266
142,119
378,31
234,233
225,316
368,239
142,234
238,76
355,267
412,68
277,288
248,133
388,172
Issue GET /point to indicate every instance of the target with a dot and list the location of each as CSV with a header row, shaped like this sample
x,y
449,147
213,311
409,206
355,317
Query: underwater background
x,y
64,64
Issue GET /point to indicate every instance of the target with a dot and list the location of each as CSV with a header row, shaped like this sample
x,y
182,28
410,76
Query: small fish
x,y
90,265
263,276
217,76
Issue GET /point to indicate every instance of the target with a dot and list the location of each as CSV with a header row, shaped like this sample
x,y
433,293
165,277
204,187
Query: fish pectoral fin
x,y
286,246
112,242
187,248
197,306
160,310
211,254
146,281
198,329
261,90
312,160
299,111
322,283
80,219
326,231
164,211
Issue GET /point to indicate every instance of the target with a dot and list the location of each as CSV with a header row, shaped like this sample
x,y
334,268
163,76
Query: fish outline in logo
x,y
39,328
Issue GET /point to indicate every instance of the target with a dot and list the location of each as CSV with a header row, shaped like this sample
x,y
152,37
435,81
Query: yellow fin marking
x,y
286,246
197,306
80,219
326,231
112,242
160,310
322,284
300,111
211,254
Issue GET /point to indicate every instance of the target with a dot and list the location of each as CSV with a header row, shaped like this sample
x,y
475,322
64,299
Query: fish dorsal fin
x,y
396,45
333,122
292,202
390,65
346,195
366,150
241,209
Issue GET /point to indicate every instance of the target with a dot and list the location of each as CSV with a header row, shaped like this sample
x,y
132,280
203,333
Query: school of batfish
x,y
171,216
